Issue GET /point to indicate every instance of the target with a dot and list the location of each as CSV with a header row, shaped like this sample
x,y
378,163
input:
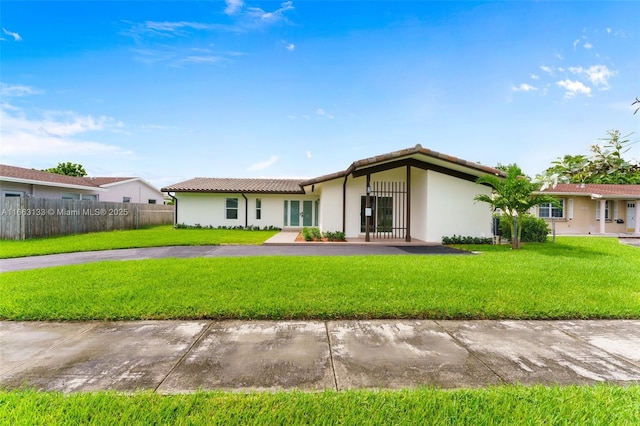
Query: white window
x,y
548,210
258,209
70,196
90,197
607,210
232,208
126,199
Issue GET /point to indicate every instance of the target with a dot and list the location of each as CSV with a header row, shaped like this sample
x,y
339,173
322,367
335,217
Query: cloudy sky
x,y
173,90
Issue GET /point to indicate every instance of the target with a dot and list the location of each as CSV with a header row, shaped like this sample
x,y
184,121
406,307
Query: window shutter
x,y
570,208
615,210
597,209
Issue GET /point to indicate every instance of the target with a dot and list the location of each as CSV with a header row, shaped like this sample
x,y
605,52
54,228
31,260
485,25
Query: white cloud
x,y
275,16
576,43
54,134
13,90
535,77
546,69
16,36
308,154
587,45
323,113
291,47
597,74
573,87
233,6
264,164
524,87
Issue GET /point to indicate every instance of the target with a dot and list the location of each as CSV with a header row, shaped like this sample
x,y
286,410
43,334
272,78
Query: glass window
x,y
126,199
548,210
232,208
258,209
152,201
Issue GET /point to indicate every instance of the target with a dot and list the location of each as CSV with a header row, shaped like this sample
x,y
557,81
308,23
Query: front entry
x,y
631,215
298,213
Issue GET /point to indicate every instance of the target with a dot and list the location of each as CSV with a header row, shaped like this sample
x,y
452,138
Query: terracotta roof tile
x,y
595,188
232,185
105,180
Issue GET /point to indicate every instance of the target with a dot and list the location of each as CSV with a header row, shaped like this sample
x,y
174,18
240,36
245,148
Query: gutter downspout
x,y
246,211
344,203
175,209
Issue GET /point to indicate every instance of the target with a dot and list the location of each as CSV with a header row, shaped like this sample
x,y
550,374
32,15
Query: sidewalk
x,y
184,356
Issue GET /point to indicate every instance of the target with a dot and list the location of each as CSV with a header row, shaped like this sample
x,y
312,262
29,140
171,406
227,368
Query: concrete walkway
x,y
184,356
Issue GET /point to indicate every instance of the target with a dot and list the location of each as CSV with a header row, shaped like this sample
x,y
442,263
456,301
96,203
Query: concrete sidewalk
x,y
184,356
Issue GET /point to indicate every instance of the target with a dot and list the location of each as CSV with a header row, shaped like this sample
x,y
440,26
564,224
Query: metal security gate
x,y
389,209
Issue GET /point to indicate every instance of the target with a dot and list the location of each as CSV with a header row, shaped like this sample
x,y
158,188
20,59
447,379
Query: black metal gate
x,y
389,211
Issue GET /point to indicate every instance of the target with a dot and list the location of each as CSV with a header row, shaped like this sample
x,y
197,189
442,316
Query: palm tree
x,y
514,196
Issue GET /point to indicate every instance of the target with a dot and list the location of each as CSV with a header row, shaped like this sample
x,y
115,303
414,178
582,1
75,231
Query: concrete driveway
x,y
24,263
184,356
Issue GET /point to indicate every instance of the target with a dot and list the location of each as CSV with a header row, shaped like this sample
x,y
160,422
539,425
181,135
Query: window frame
x,y
550,209
231,211
258,208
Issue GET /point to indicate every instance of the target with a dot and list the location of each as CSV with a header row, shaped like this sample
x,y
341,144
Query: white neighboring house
x,y
128,190
22,182
415,193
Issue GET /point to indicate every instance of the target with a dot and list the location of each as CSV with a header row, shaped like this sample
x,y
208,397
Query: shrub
x,y
306,234
459,239
534,230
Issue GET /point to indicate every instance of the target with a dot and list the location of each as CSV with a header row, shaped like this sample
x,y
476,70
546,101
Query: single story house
x,y
412,193
593,208
22,182
128,190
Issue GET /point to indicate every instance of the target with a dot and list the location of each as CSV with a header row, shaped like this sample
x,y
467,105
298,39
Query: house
x,y
128,190
412,193
18,181
21,182
593,208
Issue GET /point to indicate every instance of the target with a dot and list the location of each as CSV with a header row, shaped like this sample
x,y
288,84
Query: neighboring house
x,y
19,182
412,193
593,208
128,190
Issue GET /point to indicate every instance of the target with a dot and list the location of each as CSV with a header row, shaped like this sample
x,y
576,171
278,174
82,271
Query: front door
x,y
631,215
295,213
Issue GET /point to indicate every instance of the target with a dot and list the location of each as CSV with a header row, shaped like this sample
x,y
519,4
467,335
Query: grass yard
x,y
508,405
158,236
577,277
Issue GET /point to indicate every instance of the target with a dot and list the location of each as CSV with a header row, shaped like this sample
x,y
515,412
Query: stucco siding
x,y
452,209
136,191
40,191
330,205
582,220
419,211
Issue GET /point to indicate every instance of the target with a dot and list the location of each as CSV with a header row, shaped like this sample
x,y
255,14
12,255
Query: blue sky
x,y
173,90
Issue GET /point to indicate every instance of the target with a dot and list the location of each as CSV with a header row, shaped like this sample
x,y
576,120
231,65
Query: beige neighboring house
x,y
22,182
414,193
593,209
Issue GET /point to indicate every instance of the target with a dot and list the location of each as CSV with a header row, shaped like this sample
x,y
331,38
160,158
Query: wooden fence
x,y
25,217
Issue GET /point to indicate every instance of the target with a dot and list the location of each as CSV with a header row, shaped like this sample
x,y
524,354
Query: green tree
x,y
68,169
514,196
606,164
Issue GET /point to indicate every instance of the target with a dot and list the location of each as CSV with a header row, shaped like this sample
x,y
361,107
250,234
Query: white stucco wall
x,y
330,205
452,210
137,191
419,211
210,209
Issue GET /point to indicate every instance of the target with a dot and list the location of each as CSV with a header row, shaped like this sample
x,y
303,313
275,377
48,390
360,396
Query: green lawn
x,y
507,405
158,236
577,277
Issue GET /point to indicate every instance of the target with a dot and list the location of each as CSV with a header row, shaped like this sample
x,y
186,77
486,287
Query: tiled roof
x,y
595,189
231,185
395,155
22,174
